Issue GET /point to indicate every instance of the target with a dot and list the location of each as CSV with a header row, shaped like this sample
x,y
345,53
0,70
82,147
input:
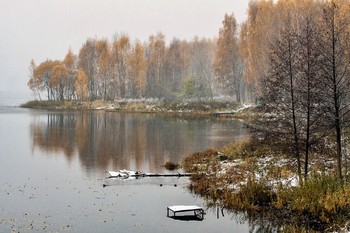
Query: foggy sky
x,y
46,29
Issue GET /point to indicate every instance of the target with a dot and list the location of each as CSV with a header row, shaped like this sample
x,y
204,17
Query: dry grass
x,y
249,176
142,105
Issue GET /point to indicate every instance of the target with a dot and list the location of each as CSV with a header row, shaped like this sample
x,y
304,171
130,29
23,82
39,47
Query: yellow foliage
x,y
59,75
81,85
69,62
138,69
227,55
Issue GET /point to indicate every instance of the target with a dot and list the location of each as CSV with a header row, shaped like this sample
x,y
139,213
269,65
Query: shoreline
x,y
253,178
193,107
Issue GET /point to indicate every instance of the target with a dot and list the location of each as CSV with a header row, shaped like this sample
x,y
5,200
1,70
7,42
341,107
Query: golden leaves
x,y
81,85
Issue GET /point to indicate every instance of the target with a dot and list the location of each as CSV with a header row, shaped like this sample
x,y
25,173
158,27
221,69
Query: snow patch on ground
x,y
235,173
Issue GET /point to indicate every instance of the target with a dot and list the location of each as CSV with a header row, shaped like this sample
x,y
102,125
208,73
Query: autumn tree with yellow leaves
x,y
88,62
81,86
58,82
227,62
41,79
256,36
70,65
137,65
104,73
120,58
123,69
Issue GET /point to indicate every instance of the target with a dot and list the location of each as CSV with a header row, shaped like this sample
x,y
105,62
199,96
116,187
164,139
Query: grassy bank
x,y
253,178
146,105
48,104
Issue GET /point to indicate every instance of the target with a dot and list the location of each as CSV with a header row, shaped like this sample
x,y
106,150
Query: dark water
x,y
52,171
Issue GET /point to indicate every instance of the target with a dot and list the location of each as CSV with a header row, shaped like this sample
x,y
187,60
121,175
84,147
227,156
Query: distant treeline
x,y
235,63
121,69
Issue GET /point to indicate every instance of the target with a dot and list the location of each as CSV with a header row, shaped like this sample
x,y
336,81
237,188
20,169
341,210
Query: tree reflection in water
x,y
113,140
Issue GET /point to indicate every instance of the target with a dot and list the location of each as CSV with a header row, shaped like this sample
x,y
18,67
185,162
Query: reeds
x,y
250,177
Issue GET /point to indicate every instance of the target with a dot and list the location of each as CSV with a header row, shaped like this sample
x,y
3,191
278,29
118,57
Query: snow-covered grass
x,y
154,105
142,105
175,106
244,107
251,176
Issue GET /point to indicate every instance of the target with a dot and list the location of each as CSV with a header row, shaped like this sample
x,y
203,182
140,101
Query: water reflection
x,y
110,140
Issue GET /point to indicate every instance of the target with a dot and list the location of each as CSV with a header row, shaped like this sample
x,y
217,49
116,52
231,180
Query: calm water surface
x,y
53,164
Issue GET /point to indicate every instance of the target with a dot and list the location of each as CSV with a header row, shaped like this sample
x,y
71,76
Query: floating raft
x,y
188,212
127,174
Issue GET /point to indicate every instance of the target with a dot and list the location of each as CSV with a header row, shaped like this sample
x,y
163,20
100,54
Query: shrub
x,y
42,104
252,196
321,197
192,162
171,165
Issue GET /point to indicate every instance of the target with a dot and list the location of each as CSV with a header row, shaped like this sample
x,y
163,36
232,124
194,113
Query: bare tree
x,y
34,82
308,76
155,55
334,45
200,67
281,95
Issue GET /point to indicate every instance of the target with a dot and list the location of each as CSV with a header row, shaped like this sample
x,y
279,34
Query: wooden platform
x,y
188,212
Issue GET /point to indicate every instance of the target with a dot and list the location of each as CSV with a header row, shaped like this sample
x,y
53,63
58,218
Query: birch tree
x,y
104,69
137,70
259,28
58,81
88,61
34,82
227,58
201,66
155,56
81,86
120,55
70,63
42,77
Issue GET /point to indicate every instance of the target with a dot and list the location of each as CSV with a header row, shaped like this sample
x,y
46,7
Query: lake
x,y
53,170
